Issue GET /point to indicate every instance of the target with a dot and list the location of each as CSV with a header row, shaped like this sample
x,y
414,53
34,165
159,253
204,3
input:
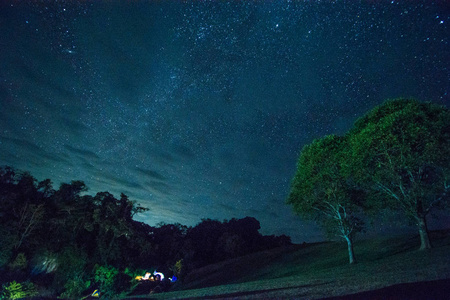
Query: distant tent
x,y
147,276
161,275
96,294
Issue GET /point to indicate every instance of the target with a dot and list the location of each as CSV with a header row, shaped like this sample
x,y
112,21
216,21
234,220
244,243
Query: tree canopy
x,y
401,153
321,190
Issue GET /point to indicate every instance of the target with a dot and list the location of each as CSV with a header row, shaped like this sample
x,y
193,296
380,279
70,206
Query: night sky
x,y
199,109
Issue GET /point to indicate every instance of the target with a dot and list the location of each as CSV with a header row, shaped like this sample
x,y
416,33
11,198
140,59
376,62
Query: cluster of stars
x,y
205,103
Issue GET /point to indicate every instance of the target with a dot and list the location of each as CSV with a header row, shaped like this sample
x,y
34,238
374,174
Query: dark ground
x,y
427,290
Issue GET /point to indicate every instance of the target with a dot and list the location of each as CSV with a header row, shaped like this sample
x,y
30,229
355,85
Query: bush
x,y
70,265
112,283
14,290
178,268
75,287
105,277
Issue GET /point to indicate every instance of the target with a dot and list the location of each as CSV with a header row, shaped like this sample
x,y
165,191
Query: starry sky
x,y
199,109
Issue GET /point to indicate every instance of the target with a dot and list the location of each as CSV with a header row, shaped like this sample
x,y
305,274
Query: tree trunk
x,y
351,254
423,232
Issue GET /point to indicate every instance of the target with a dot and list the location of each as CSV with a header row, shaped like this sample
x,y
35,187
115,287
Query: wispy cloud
x,y
151,174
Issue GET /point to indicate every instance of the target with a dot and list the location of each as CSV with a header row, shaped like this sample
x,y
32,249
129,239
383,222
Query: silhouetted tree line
x,y
69,242
211,241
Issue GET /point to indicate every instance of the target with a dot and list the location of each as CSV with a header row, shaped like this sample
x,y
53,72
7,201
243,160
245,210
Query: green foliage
x,y
177,269
128,279
132,273
401,136
401,153
71,263
74,287
105,276
321,188
397,156
113,283
15,290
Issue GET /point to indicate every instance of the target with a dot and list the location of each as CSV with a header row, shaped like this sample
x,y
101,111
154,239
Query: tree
x,y
112,219
204,237
321,191
22,208
30,217
71,213
401,152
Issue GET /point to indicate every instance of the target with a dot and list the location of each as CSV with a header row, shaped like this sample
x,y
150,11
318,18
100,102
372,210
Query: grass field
x,y
314,271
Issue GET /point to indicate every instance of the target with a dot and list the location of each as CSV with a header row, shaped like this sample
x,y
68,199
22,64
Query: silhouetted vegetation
x,y
69,243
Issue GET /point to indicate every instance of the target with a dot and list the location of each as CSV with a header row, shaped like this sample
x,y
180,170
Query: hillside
x,y
321,270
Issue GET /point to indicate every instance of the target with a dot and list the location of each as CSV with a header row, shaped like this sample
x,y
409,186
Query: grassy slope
x,y
320,270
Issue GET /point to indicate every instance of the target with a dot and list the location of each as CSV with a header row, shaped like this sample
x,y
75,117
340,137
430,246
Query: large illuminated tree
x,y
322,192
401,152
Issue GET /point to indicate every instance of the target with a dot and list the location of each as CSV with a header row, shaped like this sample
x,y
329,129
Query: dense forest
x,y
66,242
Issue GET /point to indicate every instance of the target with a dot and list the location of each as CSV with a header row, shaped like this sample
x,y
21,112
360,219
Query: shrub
x,y
114,284
75,287
70,263
178,268
14,290
105,277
